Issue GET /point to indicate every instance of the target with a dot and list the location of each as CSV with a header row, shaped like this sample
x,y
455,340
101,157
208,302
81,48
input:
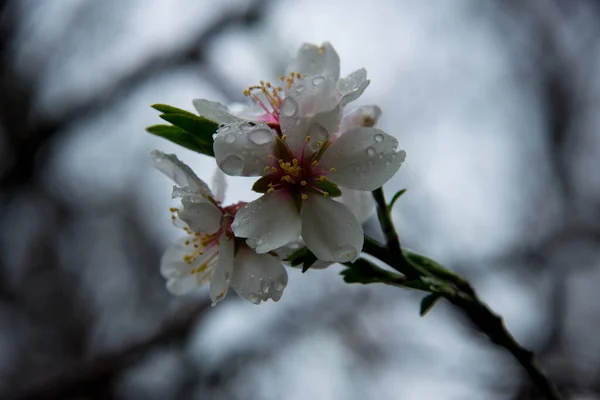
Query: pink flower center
x,y
269,98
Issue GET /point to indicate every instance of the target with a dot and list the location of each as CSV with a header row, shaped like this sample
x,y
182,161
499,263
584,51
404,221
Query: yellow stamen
x,y
267,168
315,163
319,143
271,190
326,194
332,170
322,178
304,196
303,183
284,137
307,139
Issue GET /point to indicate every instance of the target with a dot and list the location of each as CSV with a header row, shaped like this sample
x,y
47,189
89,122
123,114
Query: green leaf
x,y
428,302
296,257
262,185
327,186
362,271
309,260
396,197
200,127
166,109
182,138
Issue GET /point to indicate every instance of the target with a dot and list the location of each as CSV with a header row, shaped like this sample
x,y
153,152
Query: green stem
x,y
462,296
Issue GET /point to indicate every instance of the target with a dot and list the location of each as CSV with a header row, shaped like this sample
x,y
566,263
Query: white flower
x,y
209,252
302,154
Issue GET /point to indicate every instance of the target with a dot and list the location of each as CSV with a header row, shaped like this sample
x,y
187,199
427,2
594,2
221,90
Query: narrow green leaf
x,y
294,257
429,265
262,185
327,186
166,109
428,302
202,128
309,260
396,197
182,138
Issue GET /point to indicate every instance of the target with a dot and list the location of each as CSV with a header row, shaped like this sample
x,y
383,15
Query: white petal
x,y
243,149
219,185
180,279
214,111
315,60
180,173
309,102
258,276
330,230
360,203
363,116
353,86
201,217
363,159
269,222
223,270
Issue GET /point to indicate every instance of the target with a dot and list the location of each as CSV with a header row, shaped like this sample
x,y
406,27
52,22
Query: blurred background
x,y
494,102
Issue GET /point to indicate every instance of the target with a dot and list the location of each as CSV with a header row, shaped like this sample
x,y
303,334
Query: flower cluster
x,y
315,166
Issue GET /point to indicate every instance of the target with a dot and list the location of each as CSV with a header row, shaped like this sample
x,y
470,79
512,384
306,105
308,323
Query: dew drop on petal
x,y
253,298
388,162
318,81
260,136
279,286
379,137
232,164
300,88
289,107
248,126
394,148
229,139
371,151
224,128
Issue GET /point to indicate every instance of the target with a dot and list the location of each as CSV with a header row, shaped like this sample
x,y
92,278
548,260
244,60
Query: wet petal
x,y
359,202
269,222
258,276
243,149
214,111
310,102
363,159
219,185
316,60
219,283
180,173
201,217
182,277
353,86
363,116
330,230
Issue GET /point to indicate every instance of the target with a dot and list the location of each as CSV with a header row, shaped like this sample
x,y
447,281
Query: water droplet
x,y
371,151
289,107
388,161
232,165
223,128
279,286
380,155
300,88
248,126
394,148
252,276
379,137
260,136
318,81
346,252
229,139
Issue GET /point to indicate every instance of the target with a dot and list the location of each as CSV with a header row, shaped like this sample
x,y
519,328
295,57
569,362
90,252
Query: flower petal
x,y
269,222
219,283
258,276
360,203
243,149
202,217
219,185
363,116
180,173
309,102
214,111
284,251
353,86
363,159
316,60
330,230
179,274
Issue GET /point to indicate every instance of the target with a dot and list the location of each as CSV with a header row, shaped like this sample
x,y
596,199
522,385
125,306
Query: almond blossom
x,y
209,251
302,154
